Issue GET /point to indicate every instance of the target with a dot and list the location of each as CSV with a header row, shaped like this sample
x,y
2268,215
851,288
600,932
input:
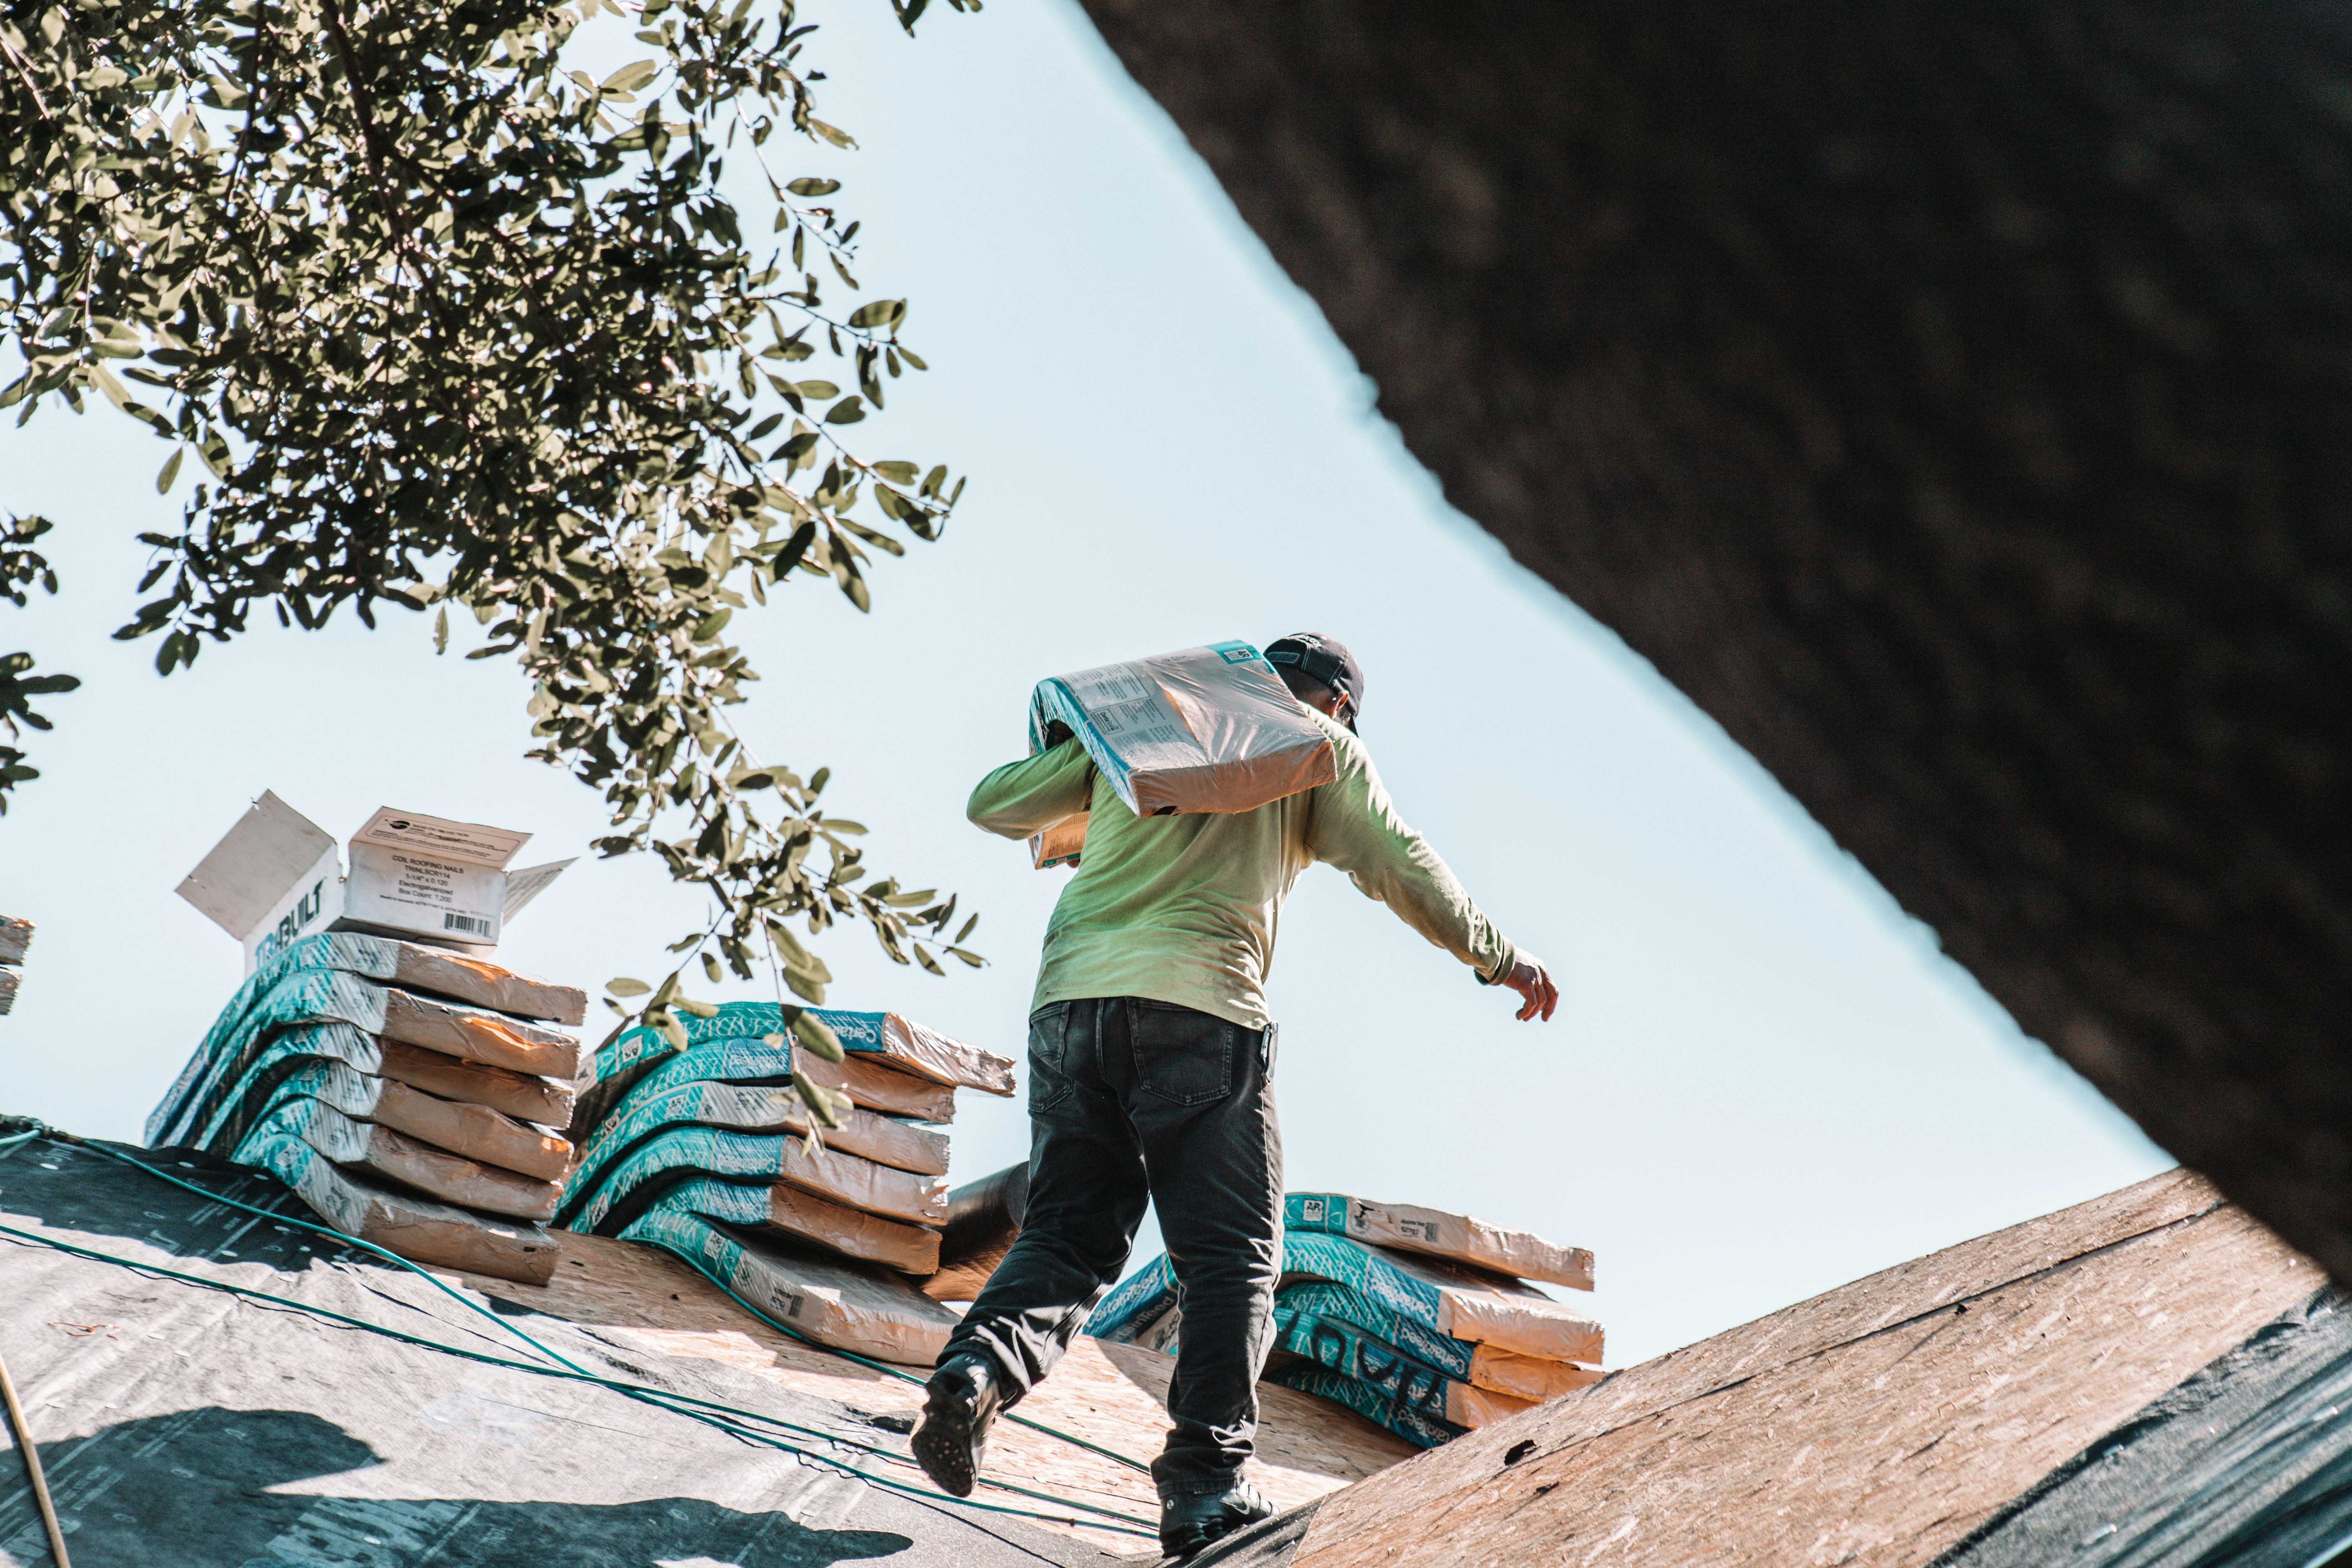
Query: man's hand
x,y
1533,982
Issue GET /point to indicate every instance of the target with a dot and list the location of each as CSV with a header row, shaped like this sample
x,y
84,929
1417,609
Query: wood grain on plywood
x,y
1875,1424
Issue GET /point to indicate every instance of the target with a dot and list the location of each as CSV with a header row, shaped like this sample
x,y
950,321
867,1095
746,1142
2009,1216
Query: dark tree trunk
x,y
1954,399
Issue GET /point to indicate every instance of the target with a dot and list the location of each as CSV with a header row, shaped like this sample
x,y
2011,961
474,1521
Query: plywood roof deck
x,y
1110,1395
1876,1425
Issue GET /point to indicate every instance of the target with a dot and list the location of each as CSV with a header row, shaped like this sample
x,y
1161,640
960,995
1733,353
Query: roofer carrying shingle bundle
x,y
1150,1061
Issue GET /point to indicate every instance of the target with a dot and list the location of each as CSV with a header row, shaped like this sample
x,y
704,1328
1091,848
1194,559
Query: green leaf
x,y
507,347
819,1099
625,987
813,1035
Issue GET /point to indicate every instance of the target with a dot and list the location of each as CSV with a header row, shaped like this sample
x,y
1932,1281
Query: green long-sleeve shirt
x,y
1184,908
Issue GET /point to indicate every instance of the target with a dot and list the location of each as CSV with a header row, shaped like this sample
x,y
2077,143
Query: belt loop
x,y
1267,1049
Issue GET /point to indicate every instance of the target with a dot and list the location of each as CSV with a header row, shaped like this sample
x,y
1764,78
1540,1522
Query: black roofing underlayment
x,y
2248,1464
182,1428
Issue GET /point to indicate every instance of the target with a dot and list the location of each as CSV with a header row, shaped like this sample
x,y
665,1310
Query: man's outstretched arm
x,y
1354,827
1031,795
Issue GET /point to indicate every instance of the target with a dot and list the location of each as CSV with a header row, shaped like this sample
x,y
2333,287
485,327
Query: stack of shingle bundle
x,y
16,936
411,1094
703,1148
1417,1320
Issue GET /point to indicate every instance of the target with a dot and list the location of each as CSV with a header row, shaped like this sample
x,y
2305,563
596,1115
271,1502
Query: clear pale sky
x,y
1765,1079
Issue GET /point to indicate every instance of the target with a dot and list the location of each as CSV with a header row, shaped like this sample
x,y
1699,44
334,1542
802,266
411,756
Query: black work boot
x,y
963,1399
1192,1521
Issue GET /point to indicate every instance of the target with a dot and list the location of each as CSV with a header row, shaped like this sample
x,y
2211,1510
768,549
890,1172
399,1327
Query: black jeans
x,y
1132,1099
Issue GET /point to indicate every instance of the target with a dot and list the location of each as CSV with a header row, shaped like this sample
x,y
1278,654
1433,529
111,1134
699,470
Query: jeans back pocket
x,y
1049,1072
1181,1055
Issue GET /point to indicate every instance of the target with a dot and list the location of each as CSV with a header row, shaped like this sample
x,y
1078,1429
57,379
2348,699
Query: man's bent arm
x,y
1354,827
1026,798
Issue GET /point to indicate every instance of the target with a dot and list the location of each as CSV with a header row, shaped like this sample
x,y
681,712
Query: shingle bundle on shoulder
x,y
412,1094
1420,1320
702,1145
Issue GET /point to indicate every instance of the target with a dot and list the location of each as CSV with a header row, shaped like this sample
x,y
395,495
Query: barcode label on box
x,y
471,924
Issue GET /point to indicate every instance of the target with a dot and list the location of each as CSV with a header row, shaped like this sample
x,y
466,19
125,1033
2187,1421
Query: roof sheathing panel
x,y
1875,1424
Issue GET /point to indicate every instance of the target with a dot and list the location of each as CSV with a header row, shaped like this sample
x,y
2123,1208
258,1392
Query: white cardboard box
x,y
277,876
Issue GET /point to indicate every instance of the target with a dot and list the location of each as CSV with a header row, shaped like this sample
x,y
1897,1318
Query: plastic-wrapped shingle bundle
x,y
1418,1320
413,1093
705,1148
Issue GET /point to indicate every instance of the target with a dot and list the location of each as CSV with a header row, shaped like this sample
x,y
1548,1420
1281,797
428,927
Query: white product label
x,y
418,893
1098,688
1125,706
438,837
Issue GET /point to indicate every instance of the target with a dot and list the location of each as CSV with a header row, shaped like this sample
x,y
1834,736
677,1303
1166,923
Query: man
x,y
1150,1068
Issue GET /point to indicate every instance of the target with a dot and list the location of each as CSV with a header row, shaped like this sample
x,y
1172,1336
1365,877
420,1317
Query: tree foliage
x,y
22,568
446,323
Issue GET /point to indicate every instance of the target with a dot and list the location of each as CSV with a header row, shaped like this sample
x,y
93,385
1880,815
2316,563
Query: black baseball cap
x,y
1326,659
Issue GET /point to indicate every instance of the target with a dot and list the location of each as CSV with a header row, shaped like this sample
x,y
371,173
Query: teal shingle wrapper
x,y
623,1062
1343,1304
1342,1347
1427,1431
1144,1297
